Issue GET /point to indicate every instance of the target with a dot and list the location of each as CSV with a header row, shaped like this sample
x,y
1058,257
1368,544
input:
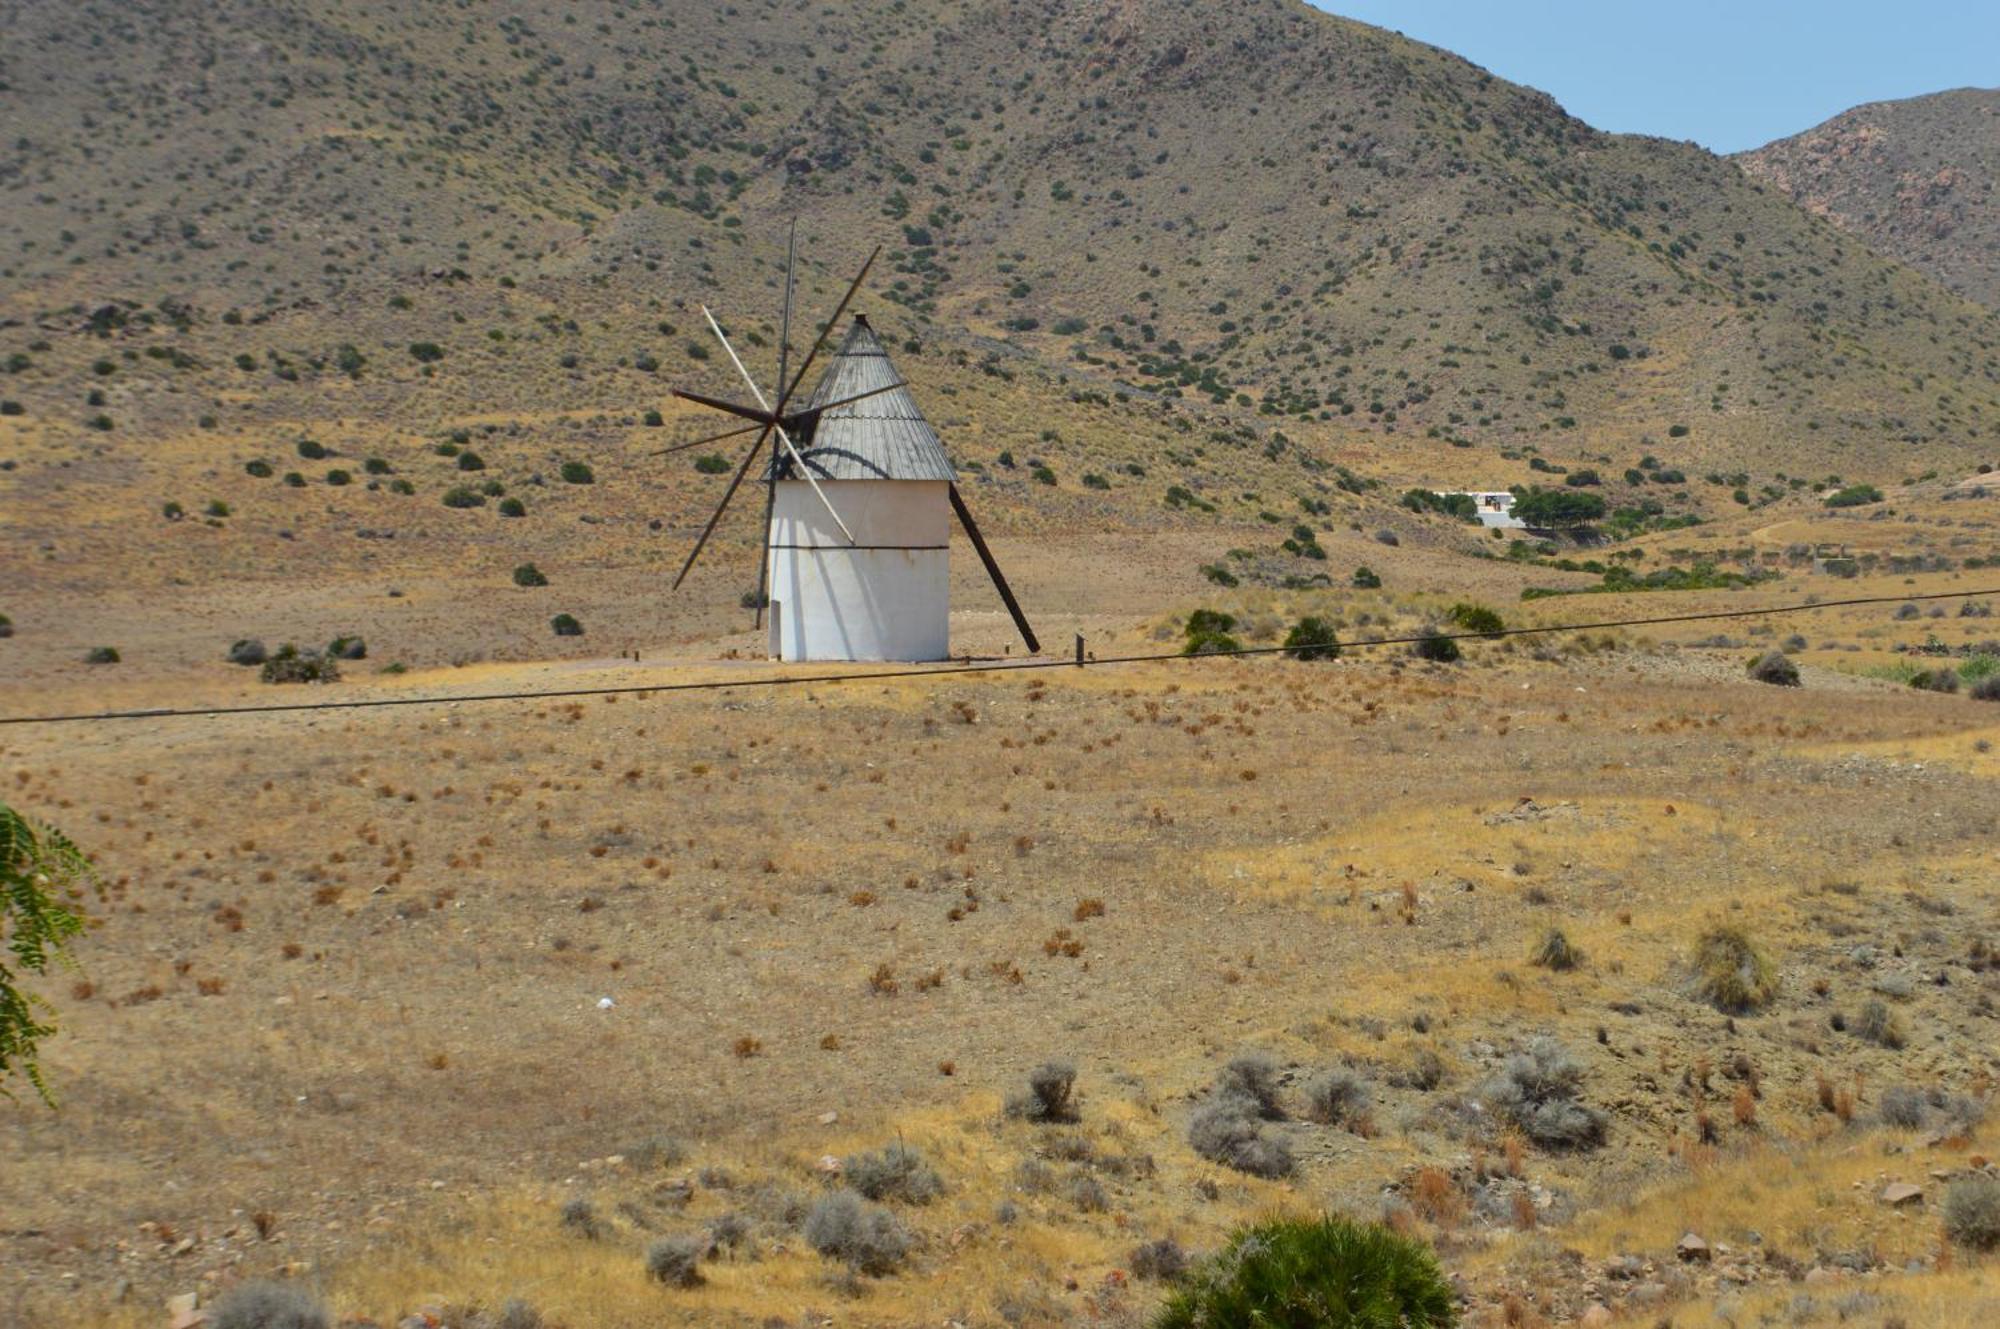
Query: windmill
x,y
857,505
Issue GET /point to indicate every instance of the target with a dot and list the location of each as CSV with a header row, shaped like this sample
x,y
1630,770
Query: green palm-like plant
x,y
39,868
1316,1273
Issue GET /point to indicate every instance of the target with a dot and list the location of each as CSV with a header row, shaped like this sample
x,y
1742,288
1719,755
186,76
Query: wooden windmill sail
x,y
858,498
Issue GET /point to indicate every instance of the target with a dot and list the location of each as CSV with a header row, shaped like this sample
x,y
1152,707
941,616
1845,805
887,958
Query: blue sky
x,y
1726,75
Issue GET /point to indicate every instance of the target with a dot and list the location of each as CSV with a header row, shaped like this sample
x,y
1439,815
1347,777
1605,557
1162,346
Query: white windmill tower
x,y
857,508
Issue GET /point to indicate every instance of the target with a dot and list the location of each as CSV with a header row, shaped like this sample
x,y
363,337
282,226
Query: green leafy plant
x,y
1322,1273
40,872
1312,638
530,575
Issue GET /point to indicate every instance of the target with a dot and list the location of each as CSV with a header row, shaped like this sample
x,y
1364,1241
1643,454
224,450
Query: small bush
x,y
842,1226
1364,579
1904,1105
1324,1273
471,461
578,473
1537,1091
580,1217
1972,1212
291,665
513,507
1340,1097
1731,973
347,648
269,1306
1555,951
101,655
1879,1025
529,575
248,651
1312,638
1253,1077
6,626
1162,1260
260,469
712,463
426,352
565,625
1775,668
1435,647
1227,1130
1477,618
1051,1094
461,497
1986,689
313,450
676,1261
894,1172
1935,680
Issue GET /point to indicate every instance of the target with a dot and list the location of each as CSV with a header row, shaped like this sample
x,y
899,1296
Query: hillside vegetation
x,y
1914,179
1218,244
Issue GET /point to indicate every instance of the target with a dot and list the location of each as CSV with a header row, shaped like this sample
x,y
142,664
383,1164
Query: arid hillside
x,y
1914,179
230,225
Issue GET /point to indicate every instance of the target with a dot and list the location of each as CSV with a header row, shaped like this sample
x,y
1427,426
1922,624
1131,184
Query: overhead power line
x,y
947,671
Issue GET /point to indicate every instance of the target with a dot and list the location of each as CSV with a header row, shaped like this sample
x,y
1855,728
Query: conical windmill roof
x,y
884,437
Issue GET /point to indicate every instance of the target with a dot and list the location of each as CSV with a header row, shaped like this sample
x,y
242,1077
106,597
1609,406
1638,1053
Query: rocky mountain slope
x,y
1218,244
1915,179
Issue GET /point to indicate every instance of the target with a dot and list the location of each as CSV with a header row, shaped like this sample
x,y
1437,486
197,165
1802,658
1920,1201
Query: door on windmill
x,y
885,597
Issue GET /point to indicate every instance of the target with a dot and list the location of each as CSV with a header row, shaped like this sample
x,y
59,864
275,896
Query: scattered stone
x,y
1898,1194
1692,1247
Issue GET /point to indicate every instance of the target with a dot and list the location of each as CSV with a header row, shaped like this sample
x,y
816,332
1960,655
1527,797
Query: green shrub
x,y
1775,668
712,463
401,486
1854,496
1731,973
247,651
293,480
565,625
1220,575
6,626
1434,646
1986,689
377,466
471,461
1324,1273
513,507
260,469
347,648
101,655
529,575
1312,638
461,497
1207,633
337,477
172,511
292,665
578,473
312,450
1365,579
1944,679
426,352
1477,618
